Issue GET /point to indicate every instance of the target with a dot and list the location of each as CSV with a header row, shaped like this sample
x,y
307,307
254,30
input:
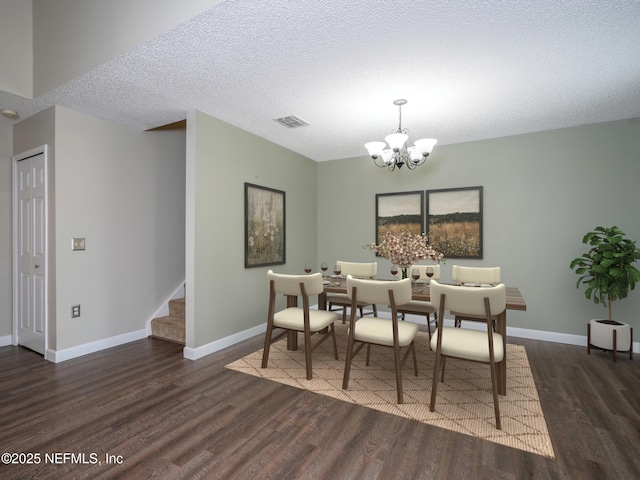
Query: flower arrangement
x,y
405,249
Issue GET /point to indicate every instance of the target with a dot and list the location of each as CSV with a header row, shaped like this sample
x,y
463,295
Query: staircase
x,y
171,327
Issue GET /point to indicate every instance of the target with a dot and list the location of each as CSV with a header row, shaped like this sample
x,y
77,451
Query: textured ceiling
x,y
470,70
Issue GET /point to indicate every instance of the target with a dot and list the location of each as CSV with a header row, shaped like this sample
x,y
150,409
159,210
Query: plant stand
x,y
610,336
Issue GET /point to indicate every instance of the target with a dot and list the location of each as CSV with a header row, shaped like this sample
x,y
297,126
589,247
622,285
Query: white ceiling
x,y
470,70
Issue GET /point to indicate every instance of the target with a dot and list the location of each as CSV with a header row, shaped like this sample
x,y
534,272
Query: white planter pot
x,y
610,336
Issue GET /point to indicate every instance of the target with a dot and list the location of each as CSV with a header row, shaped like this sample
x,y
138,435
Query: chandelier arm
x,y
417,163
377,159
411,165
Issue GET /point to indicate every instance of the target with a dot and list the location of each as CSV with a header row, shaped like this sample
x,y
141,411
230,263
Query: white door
x,y
30,249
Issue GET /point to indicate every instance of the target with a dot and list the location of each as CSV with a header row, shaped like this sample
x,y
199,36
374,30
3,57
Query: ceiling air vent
x,y
291,121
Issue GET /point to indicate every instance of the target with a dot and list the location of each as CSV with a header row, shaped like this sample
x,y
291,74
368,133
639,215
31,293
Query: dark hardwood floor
x,y
158,415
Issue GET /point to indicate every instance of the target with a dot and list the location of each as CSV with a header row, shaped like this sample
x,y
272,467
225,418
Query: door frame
x,y
43,149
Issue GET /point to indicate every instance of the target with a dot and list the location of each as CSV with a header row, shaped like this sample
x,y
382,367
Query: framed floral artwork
x,y
454,221
264,226
397,212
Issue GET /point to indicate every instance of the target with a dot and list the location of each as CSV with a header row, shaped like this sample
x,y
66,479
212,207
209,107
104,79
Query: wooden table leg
x,y
292,336
501,367
322,301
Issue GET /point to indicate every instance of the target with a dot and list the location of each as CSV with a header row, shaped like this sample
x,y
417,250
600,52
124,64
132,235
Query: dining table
x,y
420,291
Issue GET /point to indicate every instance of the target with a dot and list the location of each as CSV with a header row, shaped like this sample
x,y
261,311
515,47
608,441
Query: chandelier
x,y
398,154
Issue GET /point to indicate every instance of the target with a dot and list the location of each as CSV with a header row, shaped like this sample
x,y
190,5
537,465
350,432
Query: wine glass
x,y
307,268
415,274
337,269
429,273
394,270
324,267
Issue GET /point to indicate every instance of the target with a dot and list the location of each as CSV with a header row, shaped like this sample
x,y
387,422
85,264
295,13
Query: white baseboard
x,y
209,348
57,356
6,340
199,352
566,338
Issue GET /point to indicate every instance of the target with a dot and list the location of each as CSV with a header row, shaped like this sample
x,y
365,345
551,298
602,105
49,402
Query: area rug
x,y
464,402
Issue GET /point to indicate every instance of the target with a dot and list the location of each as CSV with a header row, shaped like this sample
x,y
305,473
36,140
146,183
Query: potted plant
x,y
607,268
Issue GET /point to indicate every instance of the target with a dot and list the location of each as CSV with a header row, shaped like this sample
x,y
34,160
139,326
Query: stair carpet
x,y
171,327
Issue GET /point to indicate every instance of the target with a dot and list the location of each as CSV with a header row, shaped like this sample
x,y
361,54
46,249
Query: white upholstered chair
x,y
473,276
298,319
342,300
481,275
381,331
420,307
476,345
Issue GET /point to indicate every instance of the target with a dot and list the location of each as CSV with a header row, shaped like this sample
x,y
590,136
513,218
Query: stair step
x,y
169,328
177,308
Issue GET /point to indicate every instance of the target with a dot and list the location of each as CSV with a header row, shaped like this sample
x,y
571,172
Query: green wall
x,y
542,193
223,297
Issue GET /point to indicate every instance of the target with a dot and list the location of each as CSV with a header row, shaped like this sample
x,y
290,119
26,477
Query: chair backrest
x,y
368,270
476,274
423,272
469,300
377,291
290,284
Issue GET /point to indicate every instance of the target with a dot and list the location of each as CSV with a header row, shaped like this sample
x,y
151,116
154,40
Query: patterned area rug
x,y
464,402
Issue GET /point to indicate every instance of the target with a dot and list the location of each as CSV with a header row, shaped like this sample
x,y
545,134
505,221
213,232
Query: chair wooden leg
x,y
267,346
415,360
396,361
307,354
434,385
375,310
368,354
347,364
444,362
335,344
344,315
494,387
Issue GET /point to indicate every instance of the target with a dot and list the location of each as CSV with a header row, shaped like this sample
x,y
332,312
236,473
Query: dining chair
x,y
298,319
472,276
421,307
484,345
341,300
380,331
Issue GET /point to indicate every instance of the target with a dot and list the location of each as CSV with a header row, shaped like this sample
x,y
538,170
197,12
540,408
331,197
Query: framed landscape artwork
x,y
264,226
454,221
399,211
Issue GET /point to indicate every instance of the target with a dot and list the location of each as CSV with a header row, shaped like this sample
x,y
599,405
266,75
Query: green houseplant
x,y
607,268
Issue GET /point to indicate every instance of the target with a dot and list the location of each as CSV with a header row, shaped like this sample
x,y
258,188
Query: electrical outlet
x,y
77,244
75,311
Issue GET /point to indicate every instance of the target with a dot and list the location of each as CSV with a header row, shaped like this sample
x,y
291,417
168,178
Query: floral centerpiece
x,y
405,249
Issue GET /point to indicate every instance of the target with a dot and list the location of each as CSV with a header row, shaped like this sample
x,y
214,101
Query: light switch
x,y
77,244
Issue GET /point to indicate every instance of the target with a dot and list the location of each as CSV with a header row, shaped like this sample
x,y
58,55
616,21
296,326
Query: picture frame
x,y
399,211
454,221
264,226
